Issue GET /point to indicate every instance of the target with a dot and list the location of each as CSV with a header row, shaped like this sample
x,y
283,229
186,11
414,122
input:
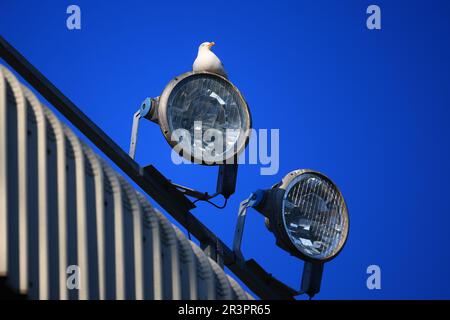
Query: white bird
x,y
207,61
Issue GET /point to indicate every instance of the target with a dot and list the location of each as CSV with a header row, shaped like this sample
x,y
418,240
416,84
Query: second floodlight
x,y
307,214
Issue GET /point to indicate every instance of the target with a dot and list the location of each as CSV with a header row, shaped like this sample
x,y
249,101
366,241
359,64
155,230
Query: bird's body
x,y
207,61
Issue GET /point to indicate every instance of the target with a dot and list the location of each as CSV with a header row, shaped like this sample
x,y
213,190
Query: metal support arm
x,y
134,131
238,233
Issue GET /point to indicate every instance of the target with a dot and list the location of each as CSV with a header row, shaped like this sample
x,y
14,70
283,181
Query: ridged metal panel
x,y
62,205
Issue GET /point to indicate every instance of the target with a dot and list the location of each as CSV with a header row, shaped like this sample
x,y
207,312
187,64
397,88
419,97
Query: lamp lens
x,y
315,216
212,114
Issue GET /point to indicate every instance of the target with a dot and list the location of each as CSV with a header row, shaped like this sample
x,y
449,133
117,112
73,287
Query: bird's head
x,y
206,45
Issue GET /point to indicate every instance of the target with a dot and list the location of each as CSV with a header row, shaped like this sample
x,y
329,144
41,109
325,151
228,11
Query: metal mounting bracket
x,y
134,131
253,200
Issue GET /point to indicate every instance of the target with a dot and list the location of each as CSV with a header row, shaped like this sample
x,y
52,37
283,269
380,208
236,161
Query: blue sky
x,y
368,108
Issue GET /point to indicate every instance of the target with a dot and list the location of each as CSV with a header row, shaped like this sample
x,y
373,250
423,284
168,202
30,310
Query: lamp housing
x,y
203,117
307,214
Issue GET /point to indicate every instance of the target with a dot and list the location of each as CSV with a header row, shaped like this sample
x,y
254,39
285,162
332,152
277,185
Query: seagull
x,y
207,61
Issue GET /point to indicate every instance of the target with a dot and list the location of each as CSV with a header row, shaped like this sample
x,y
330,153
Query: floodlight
x,y
205,119
211,110
308,216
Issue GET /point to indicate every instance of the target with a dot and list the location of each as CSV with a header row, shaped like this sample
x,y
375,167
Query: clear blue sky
x,y
368,108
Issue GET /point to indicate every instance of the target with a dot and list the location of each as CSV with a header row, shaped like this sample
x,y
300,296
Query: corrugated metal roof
x,y
62,205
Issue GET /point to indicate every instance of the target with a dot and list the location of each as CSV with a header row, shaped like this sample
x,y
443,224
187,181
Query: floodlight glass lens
x,y
212,112
315,216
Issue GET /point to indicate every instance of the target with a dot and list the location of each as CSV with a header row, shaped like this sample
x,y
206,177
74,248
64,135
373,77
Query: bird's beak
x,y
211,44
